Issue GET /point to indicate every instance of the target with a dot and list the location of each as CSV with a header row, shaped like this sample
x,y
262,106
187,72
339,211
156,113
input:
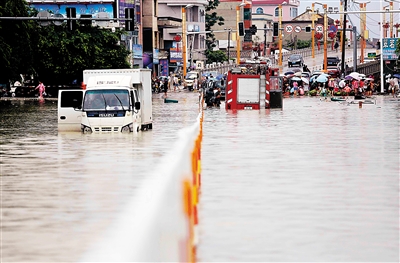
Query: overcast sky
x,y
372,19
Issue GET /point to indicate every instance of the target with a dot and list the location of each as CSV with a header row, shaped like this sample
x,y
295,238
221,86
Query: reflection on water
x,y
316,181
61,190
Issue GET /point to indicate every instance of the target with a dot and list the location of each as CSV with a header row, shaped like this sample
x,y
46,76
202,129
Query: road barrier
x,y
159,223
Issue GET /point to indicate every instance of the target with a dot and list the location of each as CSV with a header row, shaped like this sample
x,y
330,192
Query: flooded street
x,y
316,181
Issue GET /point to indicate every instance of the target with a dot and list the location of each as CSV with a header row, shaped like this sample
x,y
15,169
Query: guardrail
x,y
159,223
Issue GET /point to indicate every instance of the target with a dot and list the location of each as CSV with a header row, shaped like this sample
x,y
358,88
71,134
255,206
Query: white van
x,y
114,100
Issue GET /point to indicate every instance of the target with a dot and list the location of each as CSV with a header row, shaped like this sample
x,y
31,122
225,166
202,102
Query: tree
x,y
211,19
52,53
16,40
215,56
62,55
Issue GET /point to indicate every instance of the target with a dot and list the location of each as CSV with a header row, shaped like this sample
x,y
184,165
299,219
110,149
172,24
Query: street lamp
x,y
325,6
237,32
184,37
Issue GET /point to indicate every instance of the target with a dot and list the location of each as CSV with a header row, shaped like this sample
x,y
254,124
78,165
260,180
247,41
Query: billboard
x,y
92,9
175,55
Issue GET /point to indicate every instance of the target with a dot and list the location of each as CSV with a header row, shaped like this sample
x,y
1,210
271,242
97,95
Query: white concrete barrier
x,y
158,224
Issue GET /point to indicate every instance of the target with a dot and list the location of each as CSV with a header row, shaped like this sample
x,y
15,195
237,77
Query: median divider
x,y
159,222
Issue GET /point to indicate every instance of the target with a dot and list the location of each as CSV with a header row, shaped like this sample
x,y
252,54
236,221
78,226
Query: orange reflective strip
x,y
187,198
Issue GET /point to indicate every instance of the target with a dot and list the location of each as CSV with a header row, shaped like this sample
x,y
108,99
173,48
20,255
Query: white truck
x,y
111,100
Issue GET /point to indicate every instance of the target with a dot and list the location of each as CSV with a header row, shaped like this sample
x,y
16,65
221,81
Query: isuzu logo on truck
x,y
106,115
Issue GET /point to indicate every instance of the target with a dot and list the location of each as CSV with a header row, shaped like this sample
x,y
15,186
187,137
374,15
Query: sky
x,y
372,18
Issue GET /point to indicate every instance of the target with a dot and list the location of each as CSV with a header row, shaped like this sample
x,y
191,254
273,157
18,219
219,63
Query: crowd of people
x,y
354,84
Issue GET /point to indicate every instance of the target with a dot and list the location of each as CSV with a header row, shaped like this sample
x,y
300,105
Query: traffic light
x,y
308,29
253,29
241,29
130,24
276,30
71,13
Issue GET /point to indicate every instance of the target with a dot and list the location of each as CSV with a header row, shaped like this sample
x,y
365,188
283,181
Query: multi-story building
x,y
156,39
170,30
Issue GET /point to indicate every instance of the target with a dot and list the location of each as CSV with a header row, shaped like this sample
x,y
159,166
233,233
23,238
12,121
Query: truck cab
x,y
113,101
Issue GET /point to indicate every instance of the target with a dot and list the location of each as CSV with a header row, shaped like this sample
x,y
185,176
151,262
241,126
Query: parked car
x,y
295,59
333,61
190,77
333,71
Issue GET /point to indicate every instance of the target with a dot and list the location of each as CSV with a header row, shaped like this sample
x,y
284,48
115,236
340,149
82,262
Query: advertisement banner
x,y
92,9
388,49
164,67
175,55
137,51
148,60
156,53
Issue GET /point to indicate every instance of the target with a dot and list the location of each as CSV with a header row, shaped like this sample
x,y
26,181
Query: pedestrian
x,y
165,87
195,83
336,46
42,89
175,82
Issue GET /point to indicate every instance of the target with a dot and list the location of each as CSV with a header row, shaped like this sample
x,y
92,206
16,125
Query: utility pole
x,y
265,40
343,68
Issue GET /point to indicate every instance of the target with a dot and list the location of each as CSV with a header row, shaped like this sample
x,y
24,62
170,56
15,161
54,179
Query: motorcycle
x,y
155,86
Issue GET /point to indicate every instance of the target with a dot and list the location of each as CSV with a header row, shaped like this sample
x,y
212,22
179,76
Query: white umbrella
x,y
355,75
305,80
297,74
342,83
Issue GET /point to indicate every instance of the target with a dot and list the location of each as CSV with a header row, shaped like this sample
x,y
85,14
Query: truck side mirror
x,y
137,105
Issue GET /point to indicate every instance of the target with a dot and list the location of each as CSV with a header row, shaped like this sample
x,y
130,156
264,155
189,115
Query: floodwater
x,y
316,181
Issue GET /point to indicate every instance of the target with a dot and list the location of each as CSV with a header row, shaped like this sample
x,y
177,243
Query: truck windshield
x,y
115,99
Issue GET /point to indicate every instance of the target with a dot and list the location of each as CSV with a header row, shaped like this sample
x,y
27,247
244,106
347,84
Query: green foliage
x,y
303,43
211,19
53,53
16,40
215,56
62,55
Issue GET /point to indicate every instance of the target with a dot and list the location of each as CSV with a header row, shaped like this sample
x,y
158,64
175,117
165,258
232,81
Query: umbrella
x,y
305,80
396,76
219,77
322,78
355,75
342,83
288,73
297,74
348,77
296,79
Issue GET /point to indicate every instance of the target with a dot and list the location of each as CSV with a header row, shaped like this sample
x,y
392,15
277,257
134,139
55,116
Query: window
x,y
277,11
293,12
259,11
